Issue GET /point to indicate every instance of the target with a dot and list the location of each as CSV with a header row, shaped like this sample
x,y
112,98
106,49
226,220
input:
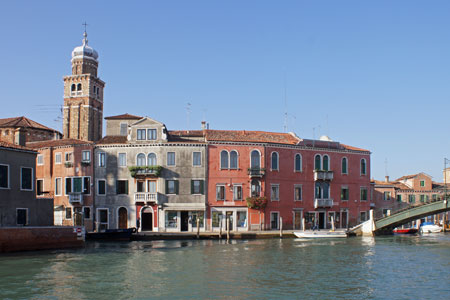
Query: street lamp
x,y
445,190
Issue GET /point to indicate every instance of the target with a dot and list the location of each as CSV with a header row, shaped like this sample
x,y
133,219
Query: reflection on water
x,y
354,268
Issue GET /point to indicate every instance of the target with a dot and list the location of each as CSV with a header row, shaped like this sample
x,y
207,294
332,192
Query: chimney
x,y
203,125
386,178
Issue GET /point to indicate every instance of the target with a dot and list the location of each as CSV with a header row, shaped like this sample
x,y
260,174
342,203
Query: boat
x,y
111,235
405,230
429,227
320,235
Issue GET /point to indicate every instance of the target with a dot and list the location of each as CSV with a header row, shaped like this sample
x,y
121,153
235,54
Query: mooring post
x,y
198,228
220,228
281,227
303,224
228,228
332,224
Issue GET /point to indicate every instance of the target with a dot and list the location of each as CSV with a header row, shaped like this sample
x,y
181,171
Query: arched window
x,y
140,159
317,162
298,163
255,188
325,190
73,87
255,159
233,159
152,159
363,166
79,87
318,190
224,159
344,165
274,159
325,163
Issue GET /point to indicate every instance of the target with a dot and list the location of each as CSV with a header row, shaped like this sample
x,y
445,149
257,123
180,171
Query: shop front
x,y
236,217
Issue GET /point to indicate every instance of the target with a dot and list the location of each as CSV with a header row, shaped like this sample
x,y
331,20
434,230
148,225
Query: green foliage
x,y
256,202
145,170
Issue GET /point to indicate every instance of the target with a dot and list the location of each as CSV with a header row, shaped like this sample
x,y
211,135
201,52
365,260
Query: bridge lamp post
x,y
446,160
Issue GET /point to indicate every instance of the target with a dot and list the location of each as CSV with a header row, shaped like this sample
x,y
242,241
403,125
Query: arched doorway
x,y
123,218
147,219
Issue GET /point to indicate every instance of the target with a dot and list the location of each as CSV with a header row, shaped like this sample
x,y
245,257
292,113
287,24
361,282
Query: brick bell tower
x,y
83,96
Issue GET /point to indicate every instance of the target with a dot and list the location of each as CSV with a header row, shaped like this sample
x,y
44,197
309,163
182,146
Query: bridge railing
x,y
379,213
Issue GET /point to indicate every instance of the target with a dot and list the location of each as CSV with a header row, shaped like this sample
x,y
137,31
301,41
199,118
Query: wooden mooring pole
x,y
281,227
198,228
228,228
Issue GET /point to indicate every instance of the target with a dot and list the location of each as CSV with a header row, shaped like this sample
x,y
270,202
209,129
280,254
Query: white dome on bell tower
x,y
84,51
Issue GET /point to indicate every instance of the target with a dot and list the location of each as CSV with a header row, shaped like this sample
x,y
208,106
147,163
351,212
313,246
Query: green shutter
x,y
192,186
202,187
177,187
167,187
117,187
126,187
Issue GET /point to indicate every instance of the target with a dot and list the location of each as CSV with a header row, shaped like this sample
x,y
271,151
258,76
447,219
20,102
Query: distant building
x,y
21,130
18,203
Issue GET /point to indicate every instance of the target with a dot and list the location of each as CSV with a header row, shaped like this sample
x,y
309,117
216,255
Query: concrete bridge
x,y
386,224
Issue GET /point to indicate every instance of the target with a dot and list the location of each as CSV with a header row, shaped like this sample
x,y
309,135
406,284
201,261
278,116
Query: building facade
x,y
21,130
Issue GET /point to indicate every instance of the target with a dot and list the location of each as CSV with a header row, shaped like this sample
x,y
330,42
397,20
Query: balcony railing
x,y
146,197
153,171
76,198
256,172
323,175
323,203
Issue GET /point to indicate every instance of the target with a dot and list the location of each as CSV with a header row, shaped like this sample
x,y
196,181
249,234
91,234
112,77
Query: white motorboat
x,y
320,234
429,227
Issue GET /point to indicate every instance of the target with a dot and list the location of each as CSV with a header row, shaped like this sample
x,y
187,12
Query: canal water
x,y
393,267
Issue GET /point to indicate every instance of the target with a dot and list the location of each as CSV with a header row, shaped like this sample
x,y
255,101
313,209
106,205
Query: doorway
x,y
344,218
184,221
274,220
147,219
123,218
229,218
321,220
297,220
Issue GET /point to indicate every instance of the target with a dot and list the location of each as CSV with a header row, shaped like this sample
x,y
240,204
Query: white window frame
x,y
27,218
99,163
8,176
276,185
83,154
60,158
237,160
228,160
174,158
97,189
346,160
224,192
301,192
156,134
242,192
118,159
329,162
68,153
137,134
260,158
41,158
193,160
60,187
126,128
389,195
200,182
32,179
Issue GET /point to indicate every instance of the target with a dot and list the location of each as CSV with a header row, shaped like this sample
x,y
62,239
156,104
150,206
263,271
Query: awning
x,y
185,206
58,207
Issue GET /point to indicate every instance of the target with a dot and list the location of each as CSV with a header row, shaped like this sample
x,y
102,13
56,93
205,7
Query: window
x,y
87,212
103,218
344,166
297,193
73,88
241,217
197,186
325,163
40,159
171,158
255,159
399,198
141,134
101,187
274,161
22,216
171,219
317,162
58,158
122,160
422,198
298,163
233,160
387,196
151,186
86,156
26,179
197,158
152,159
121,187
102,159
151,134
255,188
237,192
79,87
216,218
363,216
78,185
140,159
4,176
68,157
172,187
200,215
140,186
363,166
325,190
68,213
275,192
220,192
412,198
422,183
40,187
363,194
123,128
344,193
87,185
58,186
224,159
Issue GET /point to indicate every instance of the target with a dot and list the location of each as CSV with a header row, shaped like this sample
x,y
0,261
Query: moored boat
x,y
111,235
429,227
405,230
318,234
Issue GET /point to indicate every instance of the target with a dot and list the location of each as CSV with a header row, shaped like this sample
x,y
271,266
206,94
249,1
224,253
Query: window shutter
x,y
126,187
202,191
177,187
192,186
117,187
167,187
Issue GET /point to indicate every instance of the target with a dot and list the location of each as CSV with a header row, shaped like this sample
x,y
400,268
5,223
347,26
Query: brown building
x,y
83,96
20,130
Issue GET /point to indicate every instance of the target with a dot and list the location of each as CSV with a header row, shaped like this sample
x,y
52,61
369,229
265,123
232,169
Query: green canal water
x,y
394,267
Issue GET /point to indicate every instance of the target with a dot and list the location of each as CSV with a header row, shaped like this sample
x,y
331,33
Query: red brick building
x,y
20,130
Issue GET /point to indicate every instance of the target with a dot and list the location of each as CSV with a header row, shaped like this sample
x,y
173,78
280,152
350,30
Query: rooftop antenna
x,y
285,127
188,113
328,128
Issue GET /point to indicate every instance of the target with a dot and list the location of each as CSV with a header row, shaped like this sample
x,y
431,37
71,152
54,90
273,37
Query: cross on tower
x,y
85,26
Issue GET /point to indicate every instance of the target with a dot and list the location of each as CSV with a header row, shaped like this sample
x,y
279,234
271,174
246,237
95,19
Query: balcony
x,y
256,172
323,203
146,197
76,198
323,175
145,171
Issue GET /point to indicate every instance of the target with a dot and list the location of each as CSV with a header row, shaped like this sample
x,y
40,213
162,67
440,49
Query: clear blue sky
x,y
372,74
